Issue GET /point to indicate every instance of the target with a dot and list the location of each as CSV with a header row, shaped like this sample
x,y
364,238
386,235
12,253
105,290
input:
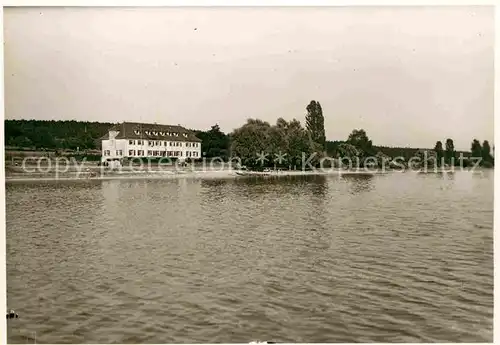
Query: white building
x,y
142,140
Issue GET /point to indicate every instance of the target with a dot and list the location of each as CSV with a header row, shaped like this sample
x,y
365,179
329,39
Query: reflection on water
x,y
394,258
359,183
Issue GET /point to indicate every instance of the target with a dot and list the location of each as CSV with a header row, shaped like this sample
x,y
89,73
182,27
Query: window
x,y
136,132
149,153
164,143
139,142
118,152
107,153
131,142
180,153
150,143
155,133
158,143
130,152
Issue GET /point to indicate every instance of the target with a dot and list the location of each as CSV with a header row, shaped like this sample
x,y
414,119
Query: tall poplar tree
x,y
439,152
449,151
315,123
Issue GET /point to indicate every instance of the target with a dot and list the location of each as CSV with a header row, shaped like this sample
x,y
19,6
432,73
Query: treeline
x,y
483,151
281,144
54,135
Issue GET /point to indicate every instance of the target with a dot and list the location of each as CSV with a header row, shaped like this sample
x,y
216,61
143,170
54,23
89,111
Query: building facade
x,y
141,140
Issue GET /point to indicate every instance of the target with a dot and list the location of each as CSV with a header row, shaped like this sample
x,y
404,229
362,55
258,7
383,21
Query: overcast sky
x,y
408,76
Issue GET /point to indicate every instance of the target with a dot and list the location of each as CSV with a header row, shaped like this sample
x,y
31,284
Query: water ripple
x,y
397,258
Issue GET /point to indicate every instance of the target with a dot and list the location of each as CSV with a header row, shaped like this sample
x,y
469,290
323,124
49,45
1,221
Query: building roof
x,y
152,131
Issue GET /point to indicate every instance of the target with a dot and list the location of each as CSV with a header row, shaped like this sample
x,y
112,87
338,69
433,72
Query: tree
x,y
438,148
251,140
297,140
21,141
348,150
427,158
476,149
43,139
359,139
382,159
214,142
449,152
486,152
258,144
53,134
315,124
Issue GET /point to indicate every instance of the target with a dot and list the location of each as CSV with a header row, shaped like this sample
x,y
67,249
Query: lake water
x,y
401,257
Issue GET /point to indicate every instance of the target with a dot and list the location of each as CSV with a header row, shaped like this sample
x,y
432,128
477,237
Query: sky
x,y
408,76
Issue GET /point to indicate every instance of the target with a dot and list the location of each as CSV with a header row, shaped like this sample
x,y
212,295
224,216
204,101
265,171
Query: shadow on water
x,y
359,183
438,175
317,185
318,181
282,180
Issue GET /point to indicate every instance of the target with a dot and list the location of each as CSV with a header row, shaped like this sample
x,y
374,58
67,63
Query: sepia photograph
x,y
293,174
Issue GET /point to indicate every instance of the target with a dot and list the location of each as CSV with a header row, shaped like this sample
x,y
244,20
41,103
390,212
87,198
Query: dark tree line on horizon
x,y
286,138
54,135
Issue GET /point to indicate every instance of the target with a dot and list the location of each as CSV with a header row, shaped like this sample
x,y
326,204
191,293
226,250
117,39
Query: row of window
x,y
156,133
140,153
151,153
108,152
159,143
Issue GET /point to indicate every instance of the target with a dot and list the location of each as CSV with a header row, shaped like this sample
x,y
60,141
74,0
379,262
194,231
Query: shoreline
x,y
147,175
180,174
